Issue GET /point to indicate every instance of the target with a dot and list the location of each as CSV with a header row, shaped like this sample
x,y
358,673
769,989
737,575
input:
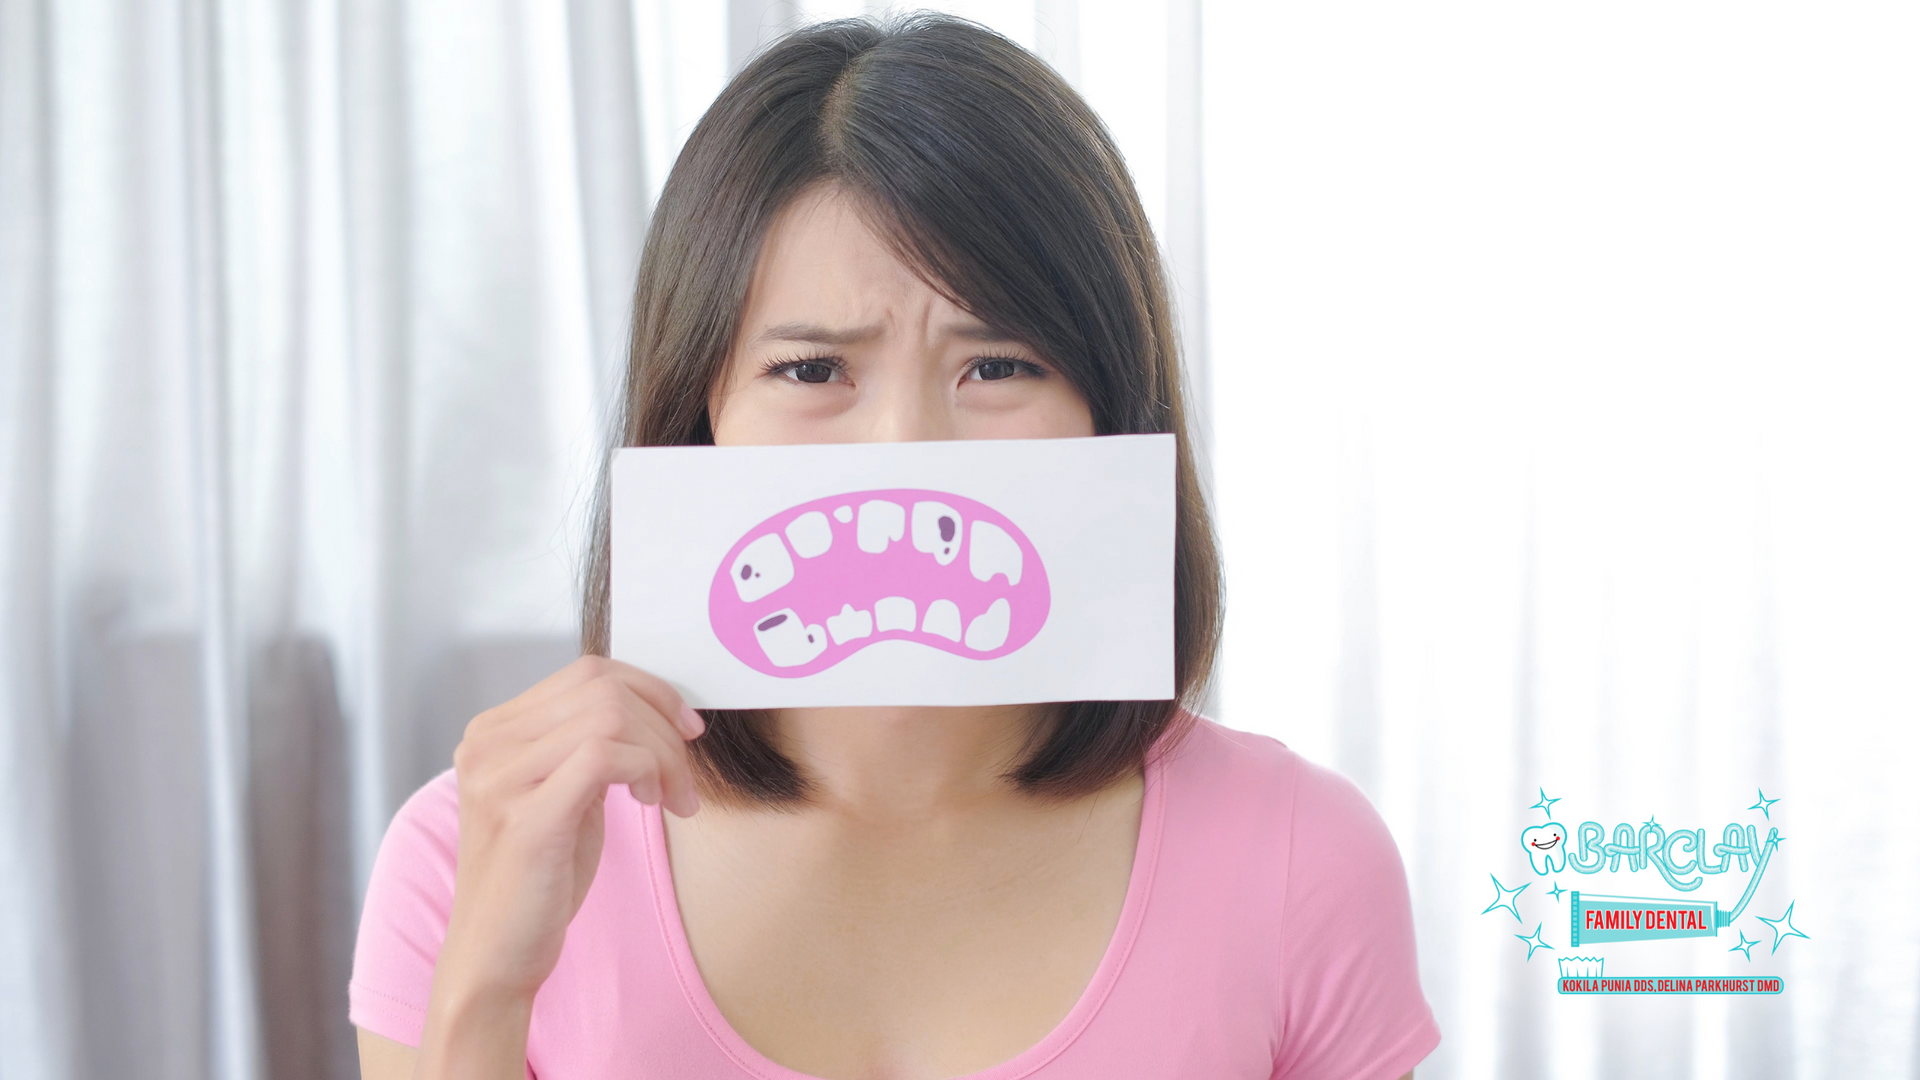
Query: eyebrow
x,y
814,333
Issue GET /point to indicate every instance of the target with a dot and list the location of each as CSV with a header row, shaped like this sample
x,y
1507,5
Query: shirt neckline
x,y
693,987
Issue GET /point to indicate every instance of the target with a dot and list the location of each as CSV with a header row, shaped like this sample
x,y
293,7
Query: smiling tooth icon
x,y
1546,847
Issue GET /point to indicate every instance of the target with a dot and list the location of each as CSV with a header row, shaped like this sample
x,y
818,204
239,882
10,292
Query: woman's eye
x,y
994,370
811,371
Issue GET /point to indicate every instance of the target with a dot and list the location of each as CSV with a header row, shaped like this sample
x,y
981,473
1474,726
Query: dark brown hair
x,y
988,173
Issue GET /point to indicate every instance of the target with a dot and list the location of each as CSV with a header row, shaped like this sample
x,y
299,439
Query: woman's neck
x,y
905,763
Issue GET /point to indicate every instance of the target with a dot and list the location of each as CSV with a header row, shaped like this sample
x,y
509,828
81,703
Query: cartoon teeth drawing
x,y
993,552
786,642
936,530
943,618
1546,847
990,629
881,523
849,624
816,583
810,534
762,568
895,613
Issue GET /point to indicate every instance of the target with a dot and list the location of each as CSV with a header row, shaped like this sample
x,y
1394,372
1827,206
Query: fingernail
x,y
691,722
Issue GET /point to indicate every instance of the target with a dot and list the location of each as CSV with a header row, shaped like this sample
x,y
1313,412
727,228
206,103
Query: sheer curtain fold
x,y
305,310
36,963
309,311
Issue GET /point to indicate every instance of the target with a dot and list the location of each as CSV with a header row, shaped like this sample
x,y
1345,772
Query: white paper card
x,y
977,572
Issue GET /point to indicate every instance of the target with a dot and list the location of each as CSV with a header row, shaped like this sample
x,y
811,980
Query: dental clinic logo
x,y
1685,862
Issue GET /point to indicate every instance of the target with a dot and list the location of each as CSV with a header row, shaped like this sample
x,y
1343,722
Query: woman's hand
x,y
533,778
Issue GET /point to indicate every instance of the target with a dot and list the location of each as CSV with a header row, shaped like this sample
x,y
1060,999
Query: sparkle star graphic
x,y
1651,821
1545,805
1765,805
1553,892
1505,898
1780,935
1533,941
1745,947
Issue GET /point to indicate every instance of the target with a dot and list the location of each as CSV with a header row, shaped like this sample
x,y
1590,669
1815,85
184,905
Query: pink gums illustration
x,y
814,584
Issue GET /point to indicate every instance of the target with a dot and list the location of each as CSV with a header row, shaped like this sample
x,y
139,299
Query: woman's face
x,y
840,341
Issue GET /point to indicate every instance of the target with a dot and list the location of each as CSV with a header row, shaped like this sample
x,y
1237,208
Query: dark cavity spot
x,y
773,622
745,571
946,528
809,639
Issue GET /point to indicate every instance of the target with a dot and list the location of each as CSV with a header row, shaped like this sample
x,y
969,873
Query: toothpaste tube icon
x,y
1599,919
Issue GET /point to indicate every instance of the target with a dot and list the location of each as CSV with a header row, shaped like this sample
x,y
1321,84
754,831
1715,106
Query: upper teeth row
x,y
764,566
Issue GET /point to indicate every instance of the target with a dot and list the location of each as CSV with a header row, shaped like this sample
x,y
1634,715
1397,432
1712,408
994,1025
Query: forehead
x,y
822,261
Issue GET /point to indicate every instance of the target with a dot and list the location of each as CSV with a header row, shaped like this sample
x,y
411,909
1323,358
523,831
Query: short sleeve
x,y
404,918
1351,1004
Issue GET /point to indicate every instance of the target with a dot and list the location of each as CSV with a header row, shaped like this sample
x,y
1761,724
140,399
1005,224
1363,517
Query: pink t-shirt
x,y
1266,933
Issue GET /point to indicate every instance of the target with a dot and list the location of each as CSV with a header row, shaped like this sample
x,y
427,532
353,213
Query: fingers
x,y
612,699
678,791
533,763
592,709
586,774
534,712
581,670
661,695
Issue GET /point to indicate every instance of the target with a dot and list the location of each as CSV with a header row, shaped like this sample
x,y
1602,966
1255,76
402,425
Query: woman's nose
x,y
908,403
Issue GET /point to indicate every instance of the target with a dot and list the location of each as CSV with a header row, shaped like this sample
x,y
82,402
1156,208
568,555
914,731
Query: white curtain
x,y
1558,371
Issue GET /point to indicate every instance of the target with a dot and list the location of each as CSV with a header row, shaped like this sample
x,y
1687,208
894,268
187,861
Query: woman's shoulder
x,y
424,836
403,919
1260,820
1261,780
1310,870
433,807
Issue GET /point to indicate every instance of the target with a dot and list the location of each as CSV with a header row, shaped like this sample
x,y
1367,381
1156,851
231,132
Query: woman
x,y
890,233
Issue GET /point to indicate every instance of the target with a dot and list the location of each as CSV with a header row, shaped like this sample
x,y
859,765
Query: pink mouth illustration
x,y
816,583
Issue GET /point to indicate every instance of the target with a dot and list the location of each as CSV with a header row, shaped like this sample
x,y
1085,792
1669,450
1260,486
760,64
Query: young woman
x,y
885,233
